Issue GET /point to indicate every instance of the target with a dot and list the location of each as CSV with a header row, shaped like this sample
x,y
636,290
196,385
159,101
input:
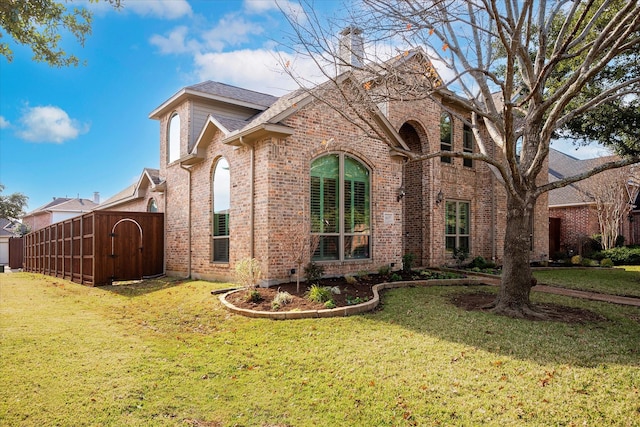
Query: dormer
x,y
184,116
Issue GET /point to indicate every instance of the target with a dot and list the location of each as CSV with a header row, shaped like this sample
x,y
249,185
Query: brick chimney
x,y
351,48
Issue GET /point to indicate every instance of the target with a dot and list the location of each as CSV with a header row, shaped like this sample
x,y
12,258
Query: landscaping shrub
x,y
625,255
321,294
606,263
576,260
586,262
395,277
313,272
281,299
481,263
384,270
352,280
407,262
253,296
248,272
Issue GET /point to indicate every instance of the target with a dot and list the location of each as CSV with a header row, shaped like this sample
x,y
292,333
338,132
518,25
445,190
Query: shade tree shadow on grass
x,y
611,336
134,288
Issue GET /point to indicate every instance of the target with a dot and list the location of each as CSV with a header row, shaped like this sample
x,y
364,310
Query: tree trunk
x,y
513,297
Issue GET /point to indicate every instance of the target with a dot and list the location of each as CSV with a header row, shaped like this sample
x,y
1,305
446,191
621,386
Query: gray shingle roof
x,y
233,92
562,165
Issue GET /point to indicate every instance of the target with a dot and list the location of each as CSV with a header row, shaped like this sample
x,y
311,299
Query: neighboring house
x,y
6,232
59,209
247,174
146,195
573,216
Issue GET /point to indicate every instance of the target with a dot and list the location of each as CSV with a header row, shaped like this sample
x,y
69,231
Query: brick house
x,y
59,209
242,173
573,216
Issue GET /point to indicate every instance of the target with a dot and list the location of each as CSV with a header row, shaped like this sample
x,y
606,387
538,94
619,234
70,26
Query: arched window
x,y
152,206
221,206
445,136
342,219
173,138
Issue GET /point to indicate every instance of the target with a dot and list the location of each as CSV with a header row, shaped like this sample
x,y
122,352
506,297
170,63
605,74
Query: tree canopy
x,y
39,24
12,206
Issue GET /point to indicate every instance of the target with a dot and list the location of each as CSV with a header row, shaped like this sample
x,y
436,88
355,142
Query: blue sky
x,y
69,132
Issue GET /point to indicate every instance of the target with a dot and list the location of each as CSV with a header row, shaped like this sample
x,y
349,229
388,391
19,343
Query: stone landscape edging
x,y
350,309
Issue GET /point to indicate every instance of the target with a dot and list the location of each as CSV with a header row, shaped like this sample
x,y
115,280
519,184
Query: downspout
x,y
251,201
188,169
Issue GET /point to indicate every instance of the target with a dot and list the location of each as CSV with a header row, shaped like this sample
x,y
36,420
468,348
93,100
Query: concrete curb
x,y
348,310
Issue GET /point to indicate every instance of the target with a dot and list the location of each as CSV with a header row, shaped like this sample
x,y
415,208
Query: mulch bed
x,y
363,289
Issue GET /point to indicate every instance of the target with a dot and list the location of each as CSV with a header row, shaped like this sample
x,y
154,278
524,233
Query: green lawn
x,y
168,354
616,281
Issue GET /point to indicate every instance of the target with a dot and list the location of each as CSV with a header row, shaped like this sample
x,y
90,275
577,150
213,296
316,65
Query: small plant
x,y
248,272
384,270
395,277
330,304
363,275
351,300
460,255
313,272
254,296
586,262
352,280
407,262
606,263
281,299
576,260
317,293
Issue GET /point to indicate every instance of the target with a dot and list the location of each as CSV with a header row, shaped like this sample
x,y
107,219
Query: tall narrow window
x,y
173,139
221,207
457,227
340,218
467,145
445,136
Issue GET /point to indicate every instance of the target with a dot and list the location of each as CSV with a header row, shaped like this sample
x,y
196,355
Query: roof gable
x,y
210,91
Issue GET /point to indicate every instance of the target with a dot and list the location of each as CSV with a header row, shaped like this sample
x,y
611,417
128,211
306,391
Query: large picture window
x,y
457,226
340,208
173,138
221,206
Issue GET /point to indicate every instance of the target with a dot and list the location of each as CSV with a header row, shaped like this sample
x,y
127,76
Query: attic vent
x,y
351,48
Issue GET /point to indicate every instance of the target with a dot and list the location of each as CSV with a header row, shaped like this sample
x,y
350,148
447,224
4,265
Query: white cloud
x,y
257,70
231,31
49,124
175,42
262,6
4,123
161,9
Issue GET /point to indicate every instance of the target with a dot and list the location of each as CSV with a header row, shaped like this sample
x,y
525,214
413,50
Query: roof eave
x,y
250,136
186,93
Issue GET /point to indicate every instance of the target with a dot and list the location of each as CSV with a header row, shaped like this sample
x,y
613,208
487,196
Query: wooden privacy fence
x,y
16,252
99,247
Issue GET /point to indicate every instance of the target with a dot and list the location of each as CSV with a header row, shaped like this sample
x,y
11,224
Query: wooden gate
x,y
126,249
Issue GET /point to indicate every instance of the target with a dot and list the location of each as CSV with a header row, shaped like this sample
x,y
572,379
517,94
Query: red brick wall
x,y
281,195
577,222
